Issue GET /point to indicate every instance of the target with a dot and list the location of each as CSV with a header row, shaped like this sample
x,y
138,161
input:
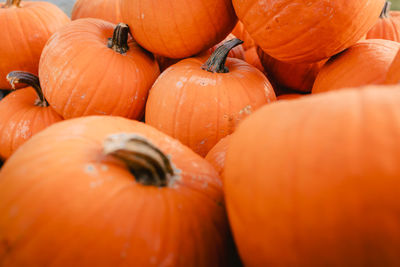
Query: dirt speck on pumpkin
x,y
179,84
246,110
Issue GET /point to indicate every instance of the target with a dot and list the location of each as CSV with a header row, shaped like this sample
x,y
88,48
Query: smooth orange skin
x,y
289,96
178,28
81,76
299,31
23,33
64,203
386,28
252,58
297,77
21,119
198,107
315,181
365,63
108,10
216,156
393,75
240,32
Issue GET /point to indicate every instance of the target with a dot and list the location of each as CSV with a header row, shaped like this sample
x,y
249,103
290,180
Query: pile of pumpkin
x,y
270,132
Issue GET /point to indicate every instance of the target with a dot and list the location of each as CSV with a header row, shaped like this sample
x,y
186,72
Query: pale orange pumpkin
x,y
25,27
393,75
108,10
200,102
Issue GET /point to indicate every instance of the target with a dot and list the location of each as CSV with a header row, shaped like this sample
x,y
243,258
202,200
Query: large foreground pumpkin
x,y
307,31
365,63
107,191
315,181
178,28
91,67
25,27
200,101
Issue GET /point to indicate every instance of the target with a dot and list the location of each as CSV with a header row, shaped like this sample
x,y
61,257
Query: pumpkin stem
x,y
119,41
386,9
31,80
147,163
216,62
12,3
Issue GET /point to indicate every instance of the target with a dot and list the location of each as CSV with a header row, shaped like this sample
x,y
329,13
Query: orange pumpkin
x,y
216,156
199,103
108,10
84,73
252,58
297,77
24,113
289,96
299,31
25,27
366,62
393,75
388,26
108,191
315,181
240,32
179,28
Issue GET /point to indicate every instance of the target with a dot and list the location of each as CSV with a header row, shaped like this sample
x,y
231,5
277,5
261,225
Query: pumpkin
x,y
299,31
388,26
128,192
179,28
108,10
297,77
366,62
252,58
91,67
289,96
24,113
315,181
393,75
240,32
216,156
199,103
24,29
236,52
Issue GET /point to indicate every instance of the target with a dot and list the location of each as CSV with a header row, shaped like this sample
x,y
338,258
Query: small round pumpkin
x,y
108,10
297,77
108,191
25,27
388,26
199,103
92,67
315,181
216,156
393,75
179,28
365,63
24,113
299,31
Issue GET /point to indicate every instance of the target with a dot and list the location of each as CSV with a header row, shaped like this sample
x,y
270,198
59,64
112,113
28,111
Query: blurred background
x,y
66,5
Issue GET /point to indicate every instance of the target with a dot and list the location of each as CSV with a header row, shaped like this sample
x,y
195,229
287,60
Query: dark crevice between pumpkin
x,y
30,80
1,163
119,41
386,10
216,62
149,165
12,3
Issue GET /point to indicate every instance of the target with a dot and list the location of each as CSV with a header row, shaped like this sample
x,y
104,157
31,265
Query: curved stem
x,y
147,163
386,9
31,80
119,41
216,62
12,3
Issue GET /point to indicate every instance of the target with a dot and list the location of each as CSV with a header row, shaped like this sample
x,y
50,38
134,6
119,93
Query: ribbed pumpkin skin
x,y
386,28
108,10
216,156
365,63
23,33
178,28
81,76
198,107
64,203
20,119
301,31
393,75
297,77
315,181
